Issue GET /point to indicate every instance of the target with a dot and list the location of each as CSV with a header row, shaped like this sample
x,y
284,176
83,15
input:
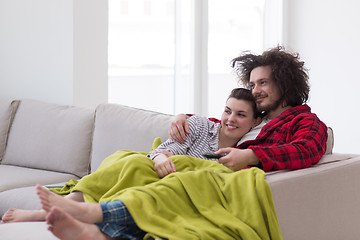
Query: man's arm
x,y
237,159
295,145
195,123
179,128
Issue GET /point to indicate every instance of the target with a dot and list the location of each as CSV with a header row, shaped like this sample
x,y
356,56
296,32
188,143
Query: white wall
x,y
36,50
327,36
90,52
52,50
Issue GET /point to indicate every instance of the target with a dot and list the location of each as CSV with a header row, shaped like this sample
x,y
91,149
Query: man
x,y
292,137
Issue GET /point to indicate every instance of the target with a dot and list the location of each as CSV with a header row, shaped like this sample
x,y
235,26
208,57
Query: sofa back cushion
x,y
119,127
7,111
330,141
51,137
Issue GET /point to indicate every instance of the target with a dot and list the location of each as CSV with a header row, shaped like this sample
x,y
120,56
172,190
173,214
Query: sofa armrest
x,y
320,202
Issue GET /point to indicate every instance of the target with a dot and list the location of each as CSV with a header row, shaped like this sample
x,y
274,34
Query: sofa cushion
x,y
26,197
14,176
26,230
20,198
119,127
7,111
52,137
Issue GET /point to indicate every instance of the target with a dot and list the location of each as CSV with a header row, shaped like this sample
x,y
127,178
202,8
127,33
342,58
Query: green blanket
x,y
202,200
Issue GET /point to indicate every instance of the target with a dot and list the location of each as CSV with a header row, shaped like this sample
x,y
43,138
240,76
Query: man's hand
x,y
179,128
163,165
237,159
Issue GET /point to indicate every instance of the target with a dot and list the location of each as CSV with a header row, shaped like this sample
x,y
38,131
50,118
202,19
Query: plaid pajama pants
x,y
117,221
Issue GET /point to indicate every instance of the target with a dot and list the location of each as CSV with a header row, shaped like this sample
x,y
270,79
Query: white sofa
x,y
50,144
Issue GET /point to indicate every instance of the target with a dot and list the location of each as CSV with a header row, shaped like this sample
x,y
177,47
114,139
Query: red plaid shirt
x,y
295,139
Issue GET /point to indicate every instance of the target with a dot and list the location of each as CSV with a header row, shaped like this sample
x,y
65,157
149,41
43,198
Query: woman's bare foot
x,y
65,227
20,215
76,196
85,212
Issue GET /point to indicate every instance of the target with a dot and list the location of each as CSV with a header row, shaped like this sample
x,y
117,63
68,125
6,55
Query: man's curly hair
x,y
288,73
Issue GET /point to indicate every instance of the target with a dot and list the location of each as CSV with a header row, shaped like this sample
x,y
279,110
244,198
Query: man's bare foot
x,y
65,227
85,212
20,215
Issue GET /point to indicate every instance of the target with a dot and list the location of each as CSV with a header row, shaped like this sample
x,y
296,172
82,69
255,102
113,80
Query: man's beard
x,y
268,107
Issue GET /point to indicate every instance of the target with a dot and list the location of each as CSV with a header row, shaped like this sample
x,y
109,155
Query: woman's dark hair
x,y
246,95
288,73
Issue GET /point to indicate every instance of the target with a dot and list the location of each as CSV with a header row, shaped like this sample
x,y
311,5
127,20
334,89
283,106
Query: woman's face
x,y
237,118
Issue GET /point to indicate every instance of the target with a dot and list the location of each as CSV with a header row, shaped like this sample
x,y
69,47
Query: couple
x,y
292,137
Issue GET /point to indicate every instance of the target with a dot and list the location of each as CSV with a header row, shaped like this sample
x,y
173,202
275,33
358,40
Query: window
x,y
234,26
174,56
141,54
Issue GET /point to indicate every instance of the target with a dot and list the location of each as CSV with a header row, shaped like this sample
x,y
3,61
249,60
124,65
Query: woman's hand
x,y
179,128
237,159
163,165
166,153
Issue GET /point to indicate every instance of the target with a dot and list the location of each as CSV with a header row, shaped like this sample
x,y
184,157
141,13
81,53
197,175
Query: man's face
x,y
264,89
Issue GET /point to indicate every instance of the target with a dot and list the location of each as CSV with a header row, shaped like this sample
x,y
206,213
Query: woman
x,y
239,117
